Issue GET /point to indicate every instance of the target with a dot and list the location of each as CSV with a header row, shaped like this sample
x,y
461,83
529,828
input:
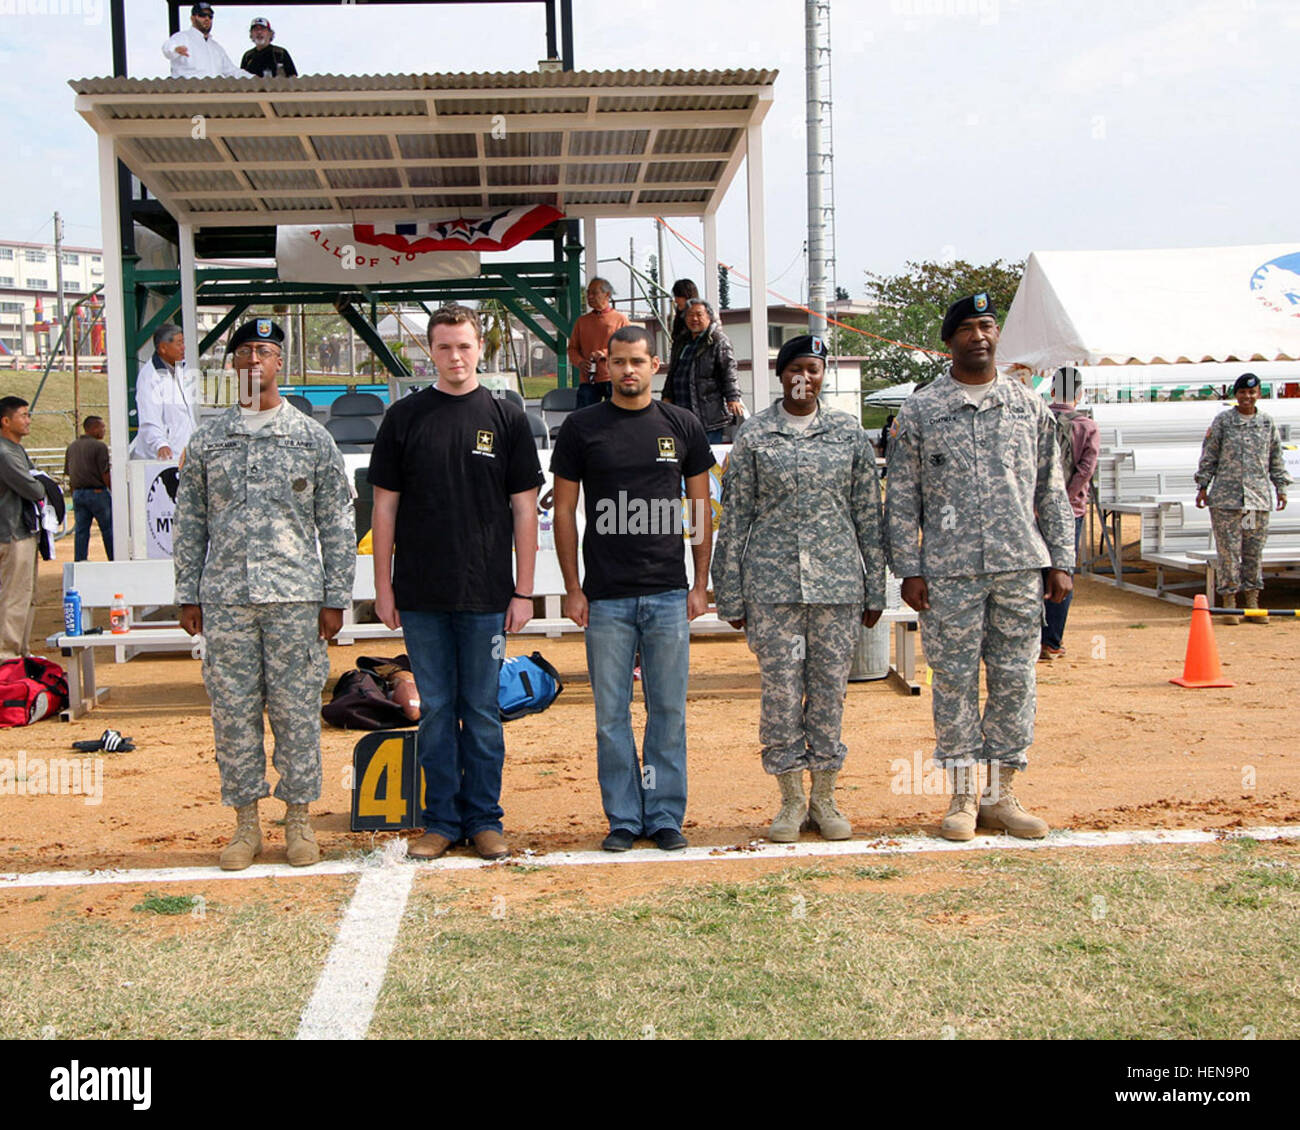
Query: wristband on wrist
x,y
520,596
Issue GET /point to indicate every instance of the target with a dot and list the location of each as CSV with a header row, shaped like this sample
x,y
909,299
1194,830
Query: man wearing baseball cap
x,y
263,59
975,509
193,53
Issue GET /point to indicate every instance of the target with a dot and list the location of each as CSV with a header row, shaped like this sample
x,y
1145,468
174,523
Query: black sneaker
x,y
618,840
668,839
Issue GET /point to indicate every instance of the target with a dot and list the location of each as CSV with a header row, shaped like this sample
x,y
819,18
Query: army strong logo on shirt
x,y
483,443
667,450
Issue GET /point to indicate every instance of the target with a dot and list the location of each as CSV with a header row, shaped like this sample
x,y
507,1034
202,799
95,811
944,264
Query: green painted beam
x,y
164,314
366,331
222,326
519,311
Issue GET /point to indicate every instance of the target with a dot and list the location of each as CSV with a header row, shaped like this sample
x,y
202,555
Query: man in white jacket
x,y
195,54
165,399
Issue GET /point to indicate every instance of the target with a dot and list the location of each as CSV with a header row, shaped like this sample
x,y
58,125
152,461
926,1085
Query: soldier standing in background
x,y
259,485
974,509
799,554
1242,452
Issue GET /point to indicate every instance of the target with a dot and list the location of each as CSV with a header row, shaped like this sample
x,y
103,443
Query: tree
x,y
496,331
724,288
910,309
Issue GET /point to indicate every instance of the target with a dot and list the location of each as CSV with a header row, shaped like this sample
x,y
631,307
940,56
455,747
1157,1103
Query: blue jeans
x,y
1054,615
92,506
591,392
636,800
456,659
716,436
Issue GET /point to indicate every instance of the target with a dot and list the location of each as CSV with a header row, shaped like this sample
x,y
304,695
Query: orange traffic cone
x,y
1201,667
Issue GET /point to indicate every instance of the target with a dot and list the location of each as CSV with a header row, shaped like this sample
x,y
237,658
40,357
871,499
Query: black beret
x,y
1246,380
796,347
258,329
974,306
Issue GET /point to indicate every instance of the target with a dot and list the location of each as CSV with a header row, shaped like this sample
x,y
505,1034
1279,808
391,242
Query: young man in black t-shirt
x,y
630,454
456,474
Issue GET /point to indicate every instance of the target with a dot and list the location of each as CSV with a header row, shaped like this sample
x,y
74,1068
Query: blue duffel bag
x,y
527,685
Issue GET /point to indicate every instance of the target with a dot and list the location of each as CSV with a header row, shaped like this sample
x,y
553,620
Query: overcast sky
x,y
979,129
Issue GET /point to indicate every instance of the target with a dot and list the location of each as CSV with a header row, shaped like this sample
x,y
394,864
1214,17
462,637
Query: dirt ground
x,y
1117,746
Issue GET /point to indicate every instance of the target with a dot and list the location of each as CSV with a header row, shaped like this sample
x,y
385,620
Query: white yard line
x,y
882,845
348,989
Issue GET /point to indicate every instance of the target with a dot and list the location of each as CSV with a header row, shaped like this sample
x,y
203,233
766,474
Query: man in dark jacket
x,y
262,60
18,490
702,372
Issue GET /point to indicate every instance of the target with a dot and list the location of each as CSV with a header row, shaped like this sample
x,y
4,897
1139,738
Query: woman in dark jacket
x,y
702,372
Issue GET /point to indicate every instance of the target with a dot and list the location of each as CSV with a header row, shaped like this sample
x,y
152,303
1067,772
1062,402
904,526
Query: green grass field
x,y
1157,943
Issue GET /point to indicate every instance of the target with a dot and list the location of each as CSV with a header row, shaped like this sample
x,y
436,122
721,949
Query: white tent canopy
x,y
1184,305
891,397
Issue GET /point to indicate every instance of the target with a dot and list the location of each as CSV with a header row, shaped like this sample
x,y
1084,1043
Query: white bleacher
x,y
151,584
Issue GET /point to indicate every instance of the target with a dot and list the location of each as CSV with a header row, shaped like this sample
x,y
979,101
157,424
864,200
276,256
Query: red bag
x,y
31,688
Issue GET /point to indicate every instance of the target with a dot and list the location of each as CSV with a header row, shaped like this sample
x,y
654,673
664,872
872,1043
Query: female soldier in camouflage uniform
x,y
799,554
1241,453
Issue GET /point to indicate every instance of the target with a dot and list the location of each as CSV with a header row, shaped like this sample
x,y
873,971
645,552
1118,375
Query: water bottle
x,y
119,617
72,613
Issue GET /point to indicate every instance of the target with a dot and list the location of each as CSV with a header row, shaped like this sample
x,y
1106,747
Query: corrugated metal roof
x,y
493,80
294,145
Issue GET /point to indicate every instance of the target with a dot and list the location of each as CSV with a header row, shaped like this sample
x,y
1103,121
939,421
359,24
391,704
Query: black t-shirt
x,y
456,461
259,61
631,465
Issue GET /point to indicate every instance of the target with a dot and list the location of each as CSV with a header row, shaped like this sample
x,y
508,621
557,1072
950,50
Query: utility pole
x,y
58,268
663,279
631,277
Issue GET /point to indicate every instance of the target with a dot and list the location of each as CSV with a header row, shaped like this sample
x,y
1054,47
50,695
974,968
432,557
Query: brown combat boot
x,y
1005,813
823,816
299,840
1252,601
785,828
1229,600
246,844
959,821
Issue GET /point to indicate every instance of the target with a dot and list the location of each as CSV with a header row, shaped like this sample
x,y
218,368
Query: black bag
x,y
361,697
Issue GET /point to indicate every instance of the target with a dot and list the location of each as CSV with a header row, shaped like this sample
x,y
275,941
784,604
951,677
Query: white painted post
x,y
589,248
115,334
757,268
189,319
710,287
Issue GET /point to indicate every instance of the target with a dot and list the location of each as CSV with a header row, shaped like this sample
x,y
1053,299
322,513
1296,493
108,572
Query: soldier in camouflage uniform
x,y
1242,452
975,506
799,555
259,486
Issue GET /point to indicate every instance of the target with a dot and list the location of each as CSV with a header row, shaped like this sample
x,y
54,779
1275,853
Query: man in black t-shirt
x,y
264,60
630,454
456,474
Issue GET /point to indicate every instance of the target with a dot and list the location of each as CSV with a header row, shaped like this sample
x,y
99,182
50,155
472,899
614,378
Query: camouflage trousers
x,y
996,617
804,653
265,656
1239,536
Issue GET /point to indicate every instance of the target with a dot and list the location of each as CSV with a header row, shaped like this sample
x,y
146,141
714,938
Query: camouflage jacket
x,y
976,491
250,509
800,516
1240,456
